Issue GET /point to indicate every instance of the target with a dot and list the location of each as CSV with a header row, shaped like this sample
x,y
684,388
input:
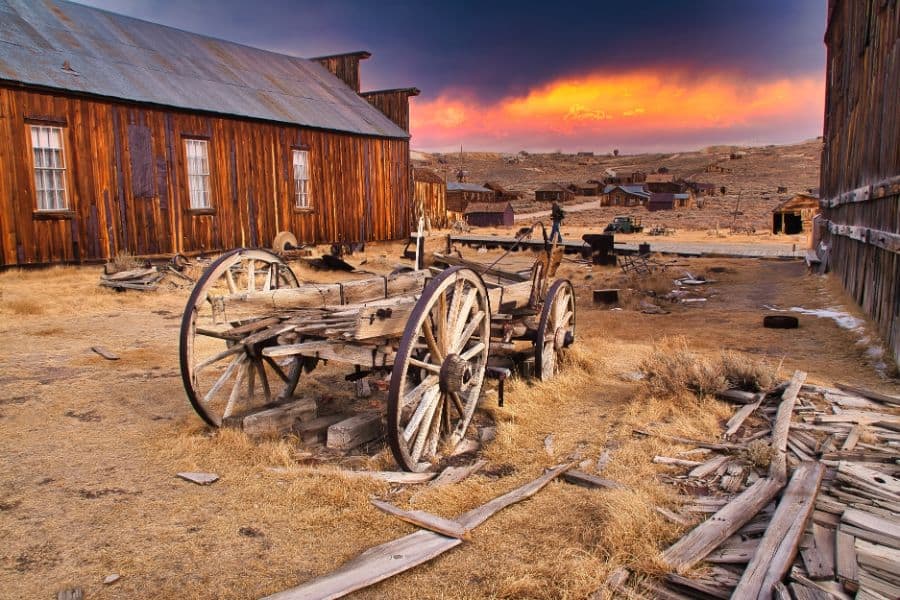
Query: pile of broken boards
x,y
148,277
834,530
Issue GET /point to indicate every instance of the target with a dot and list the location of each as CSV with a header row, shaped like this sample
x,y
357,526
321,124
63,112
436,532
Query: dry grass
x,y
125,261
759,453
672,367
746,372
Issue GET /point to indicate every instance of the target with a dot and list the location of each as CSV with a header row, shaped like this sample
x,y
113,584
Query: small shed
x,y
588,188
459,195
553,192
795,215
625,195
430,196
502,194
490,214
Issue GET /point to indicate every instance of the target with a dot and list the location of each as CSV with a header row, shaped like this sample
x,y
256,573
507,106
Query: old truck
x,y
624,224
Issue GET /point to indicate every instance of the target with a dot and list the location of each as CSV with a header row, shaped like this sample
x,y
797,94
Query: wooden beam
x,y
424,520
782,426
779,544
870,394
706,537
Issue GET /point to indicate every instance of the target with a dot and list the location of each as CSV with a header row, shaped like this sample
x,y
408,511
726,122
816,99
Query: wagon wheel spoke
x,y
446,342
221,367
556,329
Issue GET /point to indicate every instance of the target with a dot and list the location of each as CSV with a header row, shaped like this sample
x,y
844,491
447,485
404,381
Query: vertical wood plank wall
x,y
122,199
861,154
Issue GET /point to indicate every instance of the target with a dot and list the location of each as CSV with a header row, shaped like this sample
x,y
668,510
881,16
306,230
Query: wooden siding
x,y
127,182
345,67
860,177
393,103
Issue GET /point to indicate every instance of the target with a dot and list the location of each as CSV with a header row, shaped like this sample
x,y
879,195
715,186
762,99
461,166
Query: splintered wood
x,y
833,531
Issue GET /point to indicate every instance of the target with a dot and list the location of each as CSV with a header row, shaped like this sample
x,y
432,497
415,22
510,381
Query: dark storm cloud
x,y
497,49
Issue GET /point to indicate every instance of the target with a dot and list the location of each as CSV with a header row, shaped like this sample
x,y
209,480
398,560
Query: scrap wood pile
x,y
146,277
821,521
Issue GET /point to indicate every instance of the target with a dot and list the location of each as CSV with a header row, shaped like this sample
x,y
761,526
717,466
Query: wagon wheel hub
x,y
455,374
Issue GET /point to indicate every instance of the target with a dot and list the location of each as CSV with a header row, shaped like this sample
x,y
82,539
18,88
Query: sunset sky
x,y
542,76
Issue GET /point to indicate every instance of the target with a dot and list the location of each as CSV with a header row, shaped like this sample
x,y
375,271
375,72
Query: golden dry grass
x,y
89,487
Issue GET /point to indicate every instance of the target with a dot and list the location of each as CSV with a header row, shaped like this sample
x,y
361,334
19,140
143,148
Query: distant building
x,y
660,178
588,188
459,195
553,192
701,189
625,195
716,168
430,196
795,215
502,194
671,187
490,214
669,201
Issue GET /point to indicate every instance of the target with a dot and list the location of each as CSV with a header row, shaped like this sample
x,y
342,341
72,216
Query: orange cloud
x,y
613,109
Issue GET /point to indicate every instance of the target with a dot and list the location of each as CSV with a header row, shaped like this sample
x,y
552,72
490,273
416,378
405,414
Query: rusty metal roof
x,y
58,44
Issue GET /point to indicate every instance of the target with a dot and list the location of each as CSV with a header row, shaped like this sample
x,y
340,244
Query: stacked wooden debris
x,y
821,520
147,277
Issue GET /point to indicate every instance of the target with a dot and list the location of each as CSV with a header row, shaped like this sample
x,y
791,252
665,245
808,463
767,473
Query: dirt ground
x,y
751,183
90,447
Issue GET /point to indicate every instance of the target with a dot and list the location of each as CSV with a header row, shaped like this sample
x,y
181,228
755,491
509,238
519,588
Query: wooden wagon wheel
x,y
439,369
222,367
556,329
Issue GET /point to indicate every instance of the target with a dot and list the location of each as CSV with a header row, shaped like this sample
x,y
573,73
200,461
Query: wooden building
x,y
795,215
490,214
669,201
121,135
860,175
625,195
430,195
502,194
588,188
553,192
459,195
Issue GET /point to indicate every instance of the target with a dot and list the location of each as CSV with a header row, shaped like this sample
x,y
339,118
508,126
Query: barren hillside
x,y
751,185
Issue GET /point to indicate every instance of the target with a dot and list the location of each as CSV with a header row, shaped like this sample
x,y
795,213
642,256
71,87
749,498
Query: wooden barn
x,y
121,135
625,195
553,192
502,194
795,215
430,196
490,214
588,188
669,201
459,195
860,176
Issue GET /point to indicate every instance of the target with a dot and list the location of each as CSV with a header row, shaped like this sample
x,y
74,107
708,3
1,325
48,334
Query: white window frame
x,y
49,154
196,153
300,171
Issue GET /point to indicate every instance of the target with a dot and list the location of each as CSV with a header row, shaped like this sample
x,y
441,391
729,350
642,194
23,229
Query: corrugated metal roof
x,y
637,190
466,187
120,57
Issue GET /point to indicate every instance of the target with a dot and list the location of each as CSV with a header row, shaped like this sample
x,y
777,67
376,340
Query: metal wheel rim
x,y
560,301
425,418
192,344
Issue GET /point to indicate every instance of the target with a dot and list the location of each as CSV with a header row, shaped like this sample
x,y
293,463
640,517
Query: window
x,y
198,173
301,179
49,167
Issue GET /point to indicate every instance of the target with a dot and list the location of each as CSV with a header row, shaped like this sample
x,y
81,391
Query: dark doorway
x,y
776,223
793,223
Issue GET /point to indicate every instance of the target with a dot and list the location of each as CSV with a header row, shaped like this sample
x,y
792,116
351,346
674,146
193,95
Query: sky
x,y
495,75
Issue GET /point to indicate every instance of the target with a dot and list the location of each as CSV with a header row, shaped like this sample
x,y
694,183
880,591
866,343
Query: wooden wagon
x,y
250,329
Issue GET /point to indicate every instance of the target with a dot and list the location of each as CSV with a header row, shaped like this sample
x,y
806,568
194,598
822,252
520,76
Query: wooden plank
x,y
778,546
424,520
870,394
874,523
456,474
402,477
391,558
782,425
580,478
690,442
362,290
709,466
823,538
275,420
707,536
372,322
678,462
105,353
354,431
740,551
741,415
846,567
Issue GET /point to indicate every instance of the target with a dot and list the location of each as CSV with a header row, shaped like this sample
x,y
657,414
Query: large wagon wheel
x,y
556,329
439,369
222,367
